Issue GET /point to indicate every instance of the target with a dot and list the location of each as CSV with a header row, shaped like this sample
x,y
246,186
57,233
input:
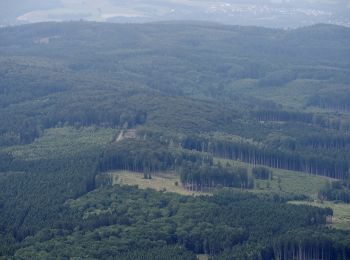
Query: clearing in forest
x,y
126,134
284,181
168,182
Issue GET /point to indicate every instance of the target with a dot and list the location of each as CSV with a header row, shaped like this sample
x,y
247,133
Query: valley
x,y
131,141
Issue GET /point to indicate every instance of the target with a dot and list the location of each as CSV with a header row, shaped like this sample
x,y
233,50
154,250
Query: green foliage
x,y
262,173
44,175
119,219
146,156
252,153
228,91
204,177
163,253
338,191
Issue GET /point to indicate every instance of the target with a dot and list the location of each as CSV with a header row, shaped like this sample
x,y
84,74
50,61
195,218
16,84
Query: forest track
x,y
120,136
126,134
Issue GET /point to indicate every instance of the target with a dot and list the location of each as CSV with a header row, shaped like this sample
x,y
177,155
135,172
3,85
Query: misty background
x,y
269,13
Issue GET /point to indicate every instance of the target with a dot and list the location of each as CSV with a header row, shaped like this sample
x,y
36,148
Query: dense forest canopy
x,y
199,101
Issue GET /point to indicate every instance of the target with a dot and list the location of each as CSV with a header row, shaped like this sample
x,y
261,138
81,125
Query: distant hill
x,y
275,13
208,60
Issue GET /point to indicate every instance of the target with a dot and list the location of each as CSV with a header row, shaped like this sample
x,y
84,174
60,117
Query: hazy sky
x,y
276,13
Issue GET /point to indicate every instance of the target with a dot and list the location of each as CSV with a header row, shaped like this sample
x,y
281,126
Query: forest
x,y
227,110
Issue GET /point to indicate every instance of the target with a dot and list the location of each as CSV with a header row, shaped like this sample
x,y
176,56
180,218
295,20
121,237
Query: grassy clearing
x,y
160,181
202,257
293,94
341,218
62,142
285,181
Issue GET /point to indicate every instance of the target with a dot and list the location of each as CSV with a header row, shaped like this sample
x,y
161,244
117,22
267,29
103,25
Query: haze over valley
x,y
270,13
175,130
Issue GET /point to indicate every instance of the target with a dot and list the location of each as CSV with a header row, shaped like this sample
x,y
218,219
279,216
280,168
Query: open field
x,y
285,181
159,181
202,257
290,182
341,217
62,142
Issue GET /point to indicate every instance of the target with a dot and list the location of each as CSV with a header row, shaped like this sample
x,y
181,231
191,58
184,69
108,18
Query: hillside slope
x,y
201,101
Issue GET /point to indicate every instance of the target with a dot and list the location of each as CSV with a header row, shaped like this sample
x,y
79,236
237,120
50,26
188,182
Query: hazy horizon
x,y
268,13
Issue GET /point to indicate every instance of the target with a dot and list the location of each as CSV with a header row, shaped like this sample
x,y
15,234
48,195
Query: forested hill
x,y
198,60
79,99
189,79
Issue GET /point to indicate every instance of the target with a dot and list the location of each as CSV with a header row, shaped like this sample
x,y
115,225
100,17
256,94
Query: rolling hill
x,y
241,113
